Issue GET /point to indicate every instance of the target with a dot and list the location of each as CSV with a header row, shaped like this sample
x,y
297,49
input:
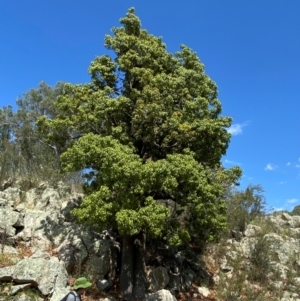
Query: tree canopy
x,y
147,131
23,151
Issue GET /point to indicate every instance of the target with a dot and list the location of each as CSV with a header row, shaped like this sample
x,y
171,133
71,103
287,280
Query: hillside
x,y
43,249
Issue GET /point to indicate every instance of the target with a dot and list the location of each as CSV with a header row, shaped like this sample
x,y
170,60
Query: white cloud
x,y
230,162
294,164
282,182
288,204
292,201
270,166
237,128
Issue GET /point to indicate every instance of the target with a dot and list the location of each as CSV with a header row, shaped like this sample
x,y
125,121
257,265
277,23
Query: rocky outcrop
x,y
158,278
262,262
40,271
40,221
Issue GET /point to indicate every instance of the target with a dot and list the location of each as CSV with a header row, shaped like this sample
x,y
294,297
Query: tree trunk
x,y
126,275
140,277
133,280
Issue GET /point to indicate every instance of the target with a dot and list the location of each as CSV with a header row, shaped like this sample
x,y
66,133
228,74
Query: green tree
x,y
244,206
41,159
35,103
148,134
23,152
8,151
296,210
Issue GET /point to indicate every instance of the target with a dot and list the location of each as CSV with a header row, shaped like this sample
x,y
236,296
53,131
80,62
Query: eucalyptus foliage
x,y
23,151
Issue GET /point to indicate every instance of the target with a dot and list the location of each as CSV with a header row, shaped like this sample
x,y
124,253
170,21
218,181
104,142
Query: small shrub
x,y
260,261
244,206
32,294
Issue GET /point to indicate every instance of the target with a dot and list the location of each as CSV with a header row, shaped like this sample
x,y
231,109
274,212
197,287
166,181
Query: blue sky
x,y
251,49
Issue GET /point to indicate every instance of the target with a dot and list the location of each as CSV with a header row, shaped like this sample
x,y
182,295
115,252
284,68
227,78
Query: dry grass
x,y
24,252
52,251
6,260
11,259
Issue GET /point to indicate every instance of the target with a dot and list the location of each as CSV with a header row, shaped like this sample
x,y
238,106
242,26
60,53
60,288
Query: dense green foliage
x,y
148,133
